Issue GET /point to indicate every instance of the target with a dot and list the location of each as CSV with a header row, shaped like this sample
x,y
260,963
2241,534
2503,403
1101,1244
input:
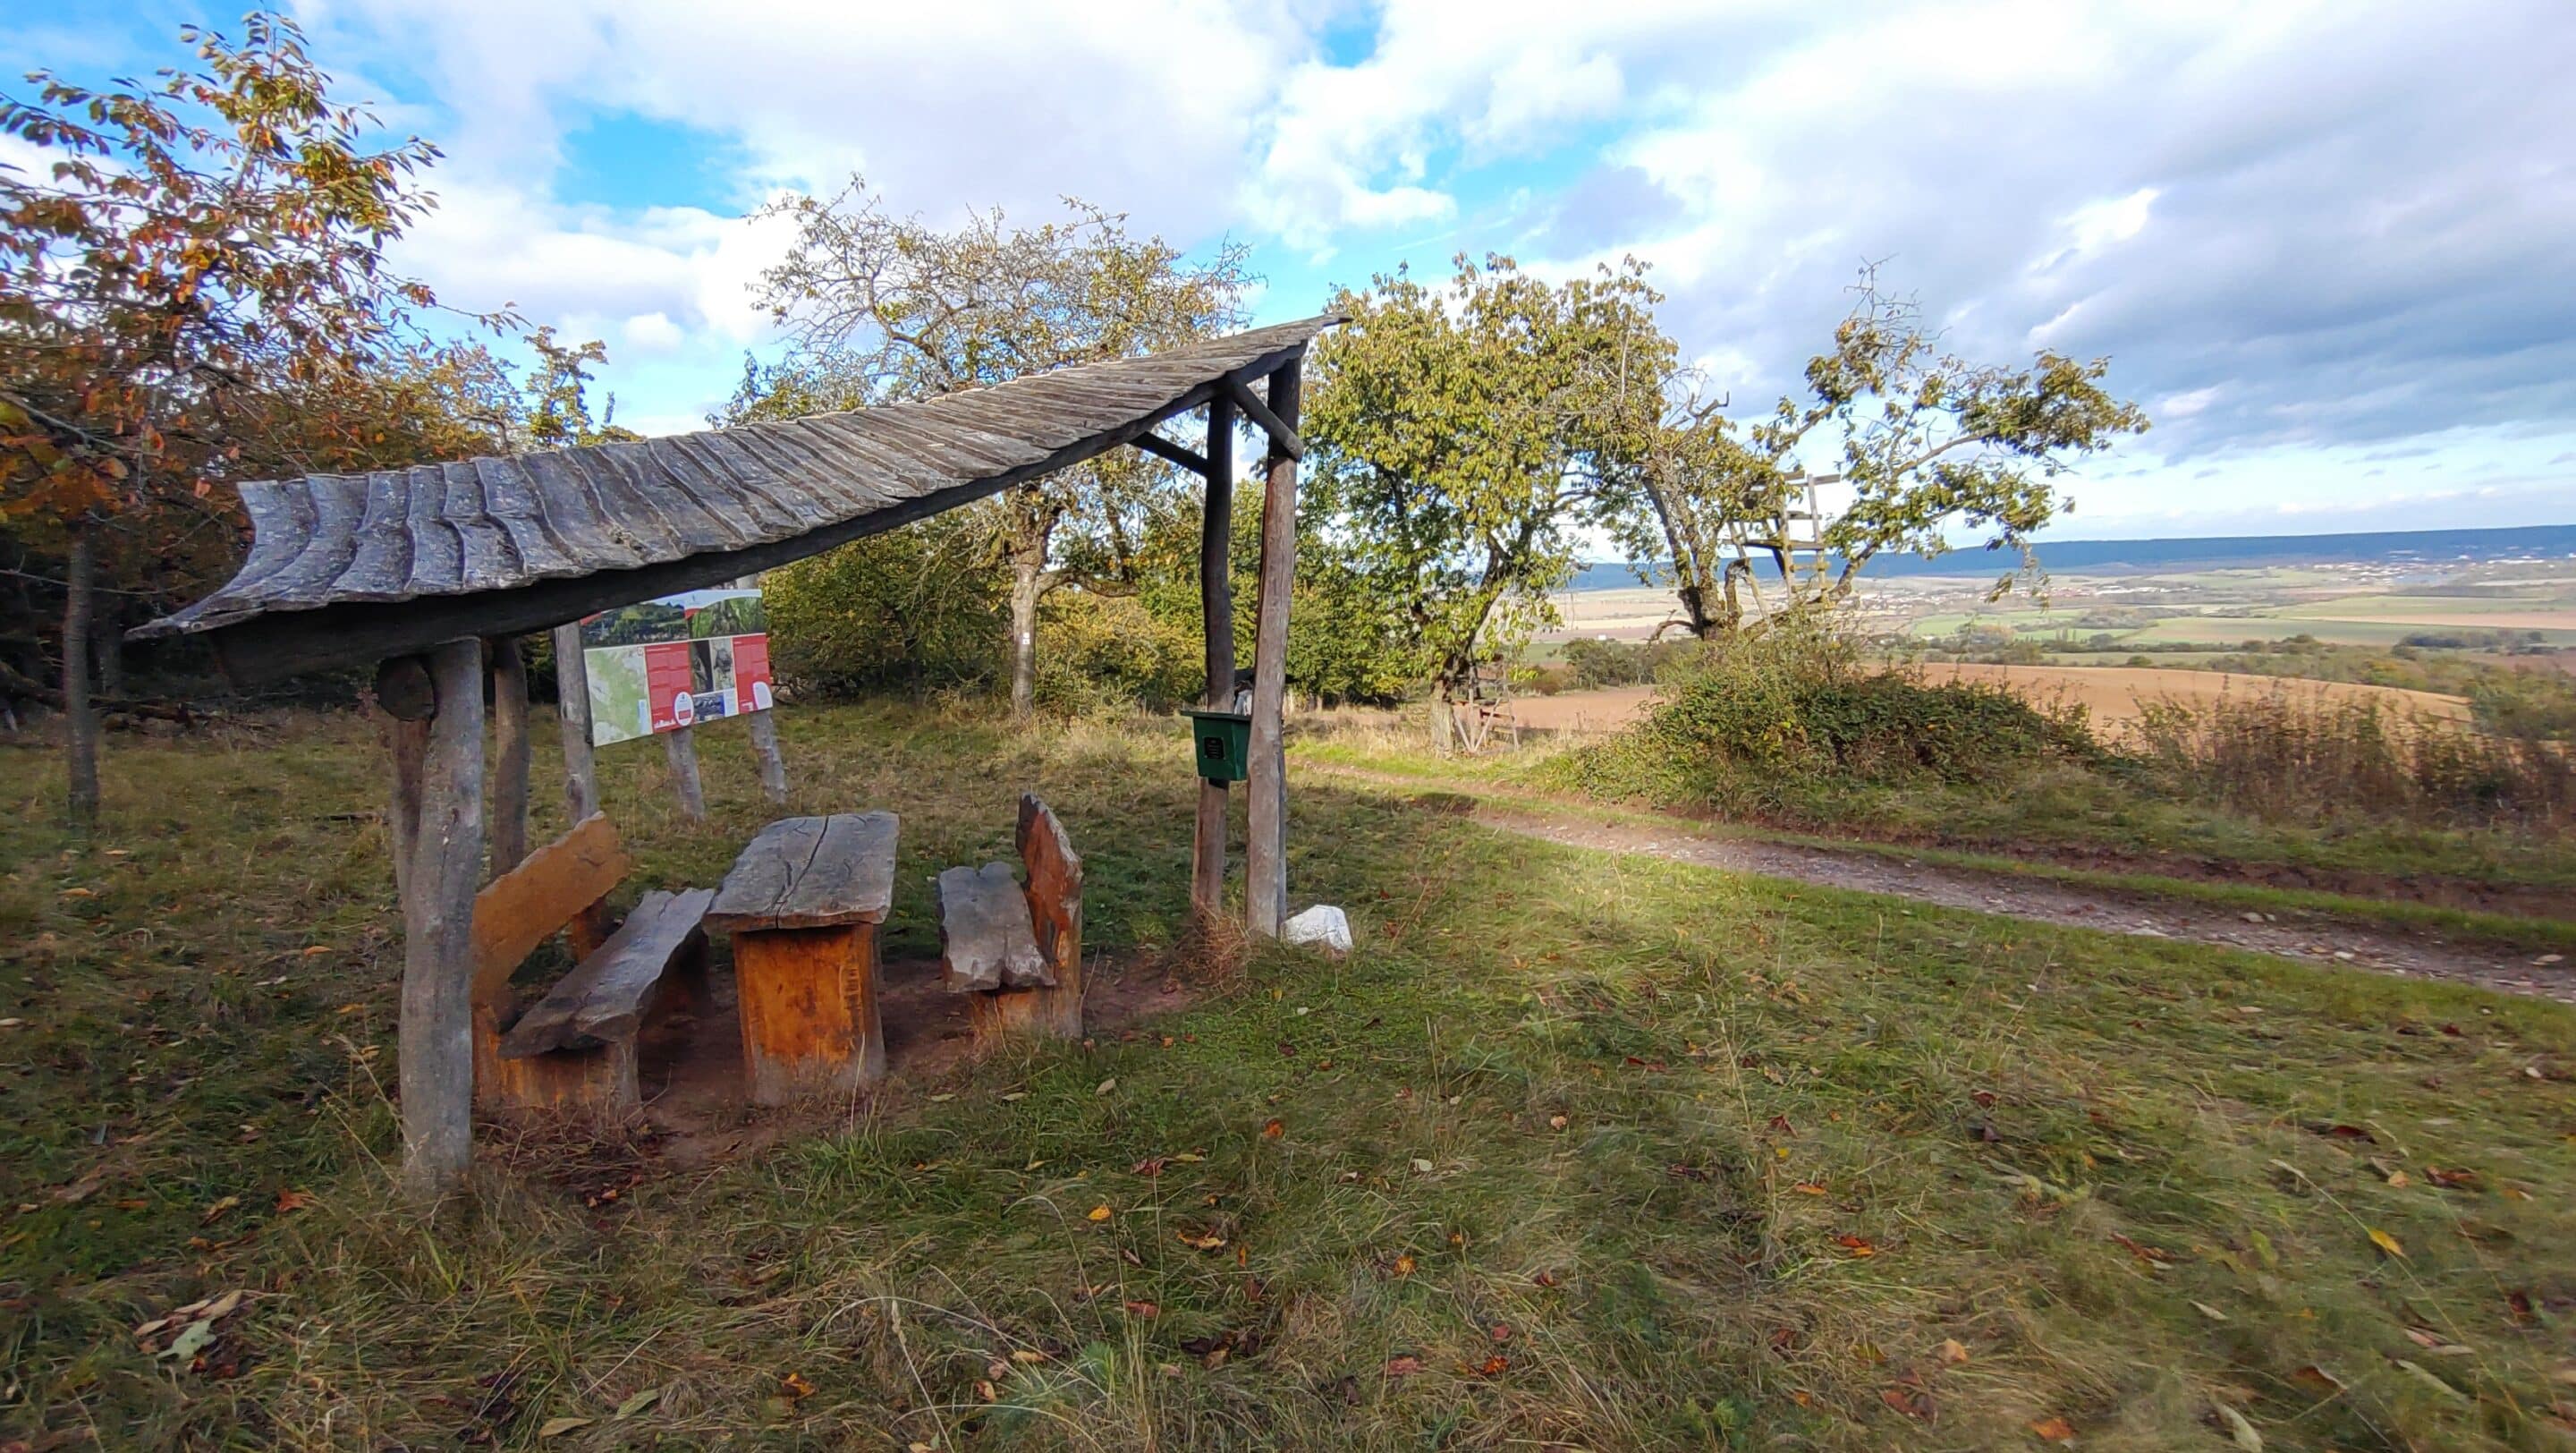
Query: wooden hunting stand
x,y
415,570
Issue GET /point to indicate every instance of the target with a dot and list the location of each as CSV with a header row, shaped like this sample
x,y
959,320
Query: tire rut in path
x,y
2310,938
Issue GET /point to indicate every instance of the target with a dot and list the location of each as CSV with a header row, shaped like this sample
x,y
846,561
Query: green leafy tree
x,y
1924,441
1463,438
879,308
192,287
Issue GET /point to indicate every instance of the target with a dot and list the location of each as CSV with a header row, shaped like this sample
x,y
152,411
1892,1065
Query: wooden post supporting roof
x,y
1265,854
572,709
680,748
440,788
1216,606
509,795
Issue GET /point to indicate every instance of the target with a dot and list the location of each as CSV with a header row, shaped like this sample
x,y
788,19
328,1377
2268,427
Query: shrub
x,y
921,607
1798,702
1109,653
2292,755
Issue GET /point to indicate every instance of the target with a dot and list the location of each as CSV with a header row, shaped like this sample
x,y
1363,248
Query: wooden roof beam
x,y
1281,434
1162,448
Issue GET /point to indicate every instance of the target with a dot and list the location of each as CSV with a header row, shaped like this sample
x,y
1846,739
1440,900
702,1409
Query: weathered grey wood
x,y
435,1038
1282,431
605,997
407,747
1265,853
811,872
1162,448
404,689
509,794
1216,610
984,937
506,547
572,710
680,749
772,762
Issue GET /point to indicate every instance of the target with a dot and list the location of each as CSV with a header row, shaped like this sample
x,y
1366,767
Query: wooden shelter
x,y
414,571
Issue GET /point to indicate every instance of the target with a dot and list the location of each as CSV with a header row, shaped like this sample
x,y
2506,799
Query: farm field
x,y
2114,695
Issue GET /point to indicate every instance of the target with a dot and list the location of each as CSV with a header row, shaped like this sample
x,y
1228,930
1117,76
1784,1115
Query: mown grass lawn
x,y
1574,1152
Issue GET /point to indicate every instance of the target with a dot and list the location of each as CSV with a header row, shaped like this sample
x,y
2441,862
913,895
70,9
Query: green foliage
x,y
1597,663
919,608
1110,653
1462,438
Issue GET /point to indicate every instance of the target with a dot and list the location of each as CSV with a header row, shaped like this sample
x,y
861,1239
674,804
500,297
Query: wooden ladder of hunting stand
x,y
1779,538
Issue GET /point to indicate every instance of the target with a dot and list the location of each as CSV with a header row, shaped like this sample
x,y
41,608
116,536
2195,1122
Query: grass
x,y
1617,1153
2063,811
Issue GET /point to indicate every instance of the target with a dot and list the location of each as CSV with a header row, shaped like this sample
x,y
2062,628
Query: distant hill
x,y
2214,552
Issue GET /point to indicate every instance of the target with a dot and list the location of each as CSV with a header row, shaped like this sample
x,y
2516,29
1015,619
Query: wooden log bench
x,y
575,1048
806,904
1014,952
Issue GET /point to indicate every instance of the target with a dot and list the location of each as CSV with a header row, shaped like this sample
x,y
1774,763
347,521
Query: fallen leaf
x,y
294,1200
216,1211
1494,1366
2054,1430
1953,1352
795,1386
2317,1377
2239,1430
1274,1129
557,1427
1144,1309
1027,1354
1150,1166
1557,1122
2454,1180
2424,1376
1404,1265
639,1402
2386,1242
1808,1188
2212,1313
1912,1402
1856,1245
1500,1331
196,1337
1405,1365
1204,1241
1107,1085
1101,1213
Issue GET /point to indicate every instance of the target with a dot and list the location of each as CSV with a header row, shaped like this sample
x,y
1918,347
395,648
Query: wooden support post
x,y
810,1019
572,708
681,747
1265,854
509,795
1216,604
773,765
442,789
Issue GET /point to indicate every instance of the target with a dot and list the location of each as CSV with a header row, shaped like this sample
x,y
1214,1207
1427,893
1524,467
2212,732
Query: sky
x,y
2325,246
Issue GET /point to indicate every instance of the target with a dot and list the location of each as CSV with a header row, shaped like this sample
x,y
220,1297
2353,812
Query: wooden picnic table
x,y
804,904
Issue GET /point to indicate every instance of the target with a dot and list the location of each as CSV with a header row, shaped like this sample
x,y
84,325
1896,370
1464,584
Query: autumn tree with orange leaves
x,y
193,291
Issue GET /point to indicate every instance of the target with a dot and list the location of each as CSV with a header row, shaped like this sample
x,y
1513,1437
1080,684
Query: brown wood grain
x,y
807,998
529,904
608,995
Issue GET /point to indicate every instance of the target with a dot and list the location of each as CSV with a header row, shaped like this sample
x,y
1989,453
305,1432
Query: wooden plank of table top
x,y
811,872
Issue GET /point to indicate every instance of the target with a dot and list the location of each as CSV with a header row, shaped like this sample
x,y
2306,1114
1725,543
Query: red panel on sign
x,y
666,680
751,673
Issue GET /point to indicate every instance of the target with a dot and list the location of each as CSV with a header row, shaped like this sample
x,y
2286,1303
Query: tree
x,y
1461,441
880,308
556,407
198,269
1927,442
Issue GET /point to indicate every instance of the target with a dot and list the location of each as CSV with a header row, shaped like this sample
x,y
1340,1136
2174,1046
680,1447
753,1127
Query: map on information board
x,y
674,662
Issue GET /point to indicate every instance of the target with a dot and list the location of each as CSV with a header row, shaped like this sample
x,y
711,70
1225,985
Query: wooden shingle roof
x,y
348,570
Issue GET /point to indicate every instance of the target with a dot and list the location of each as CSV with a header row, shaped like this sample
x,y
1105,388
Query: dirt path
x,y
2314,938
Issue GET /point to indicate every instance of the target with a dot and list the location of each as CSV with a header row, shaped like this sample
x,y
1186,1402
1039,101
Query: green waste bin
x,y
1224,740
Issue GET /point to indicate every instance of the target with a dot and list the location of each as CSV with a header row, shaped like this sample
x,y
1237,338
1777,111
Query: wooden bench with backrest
x,y
1014,952
575,1048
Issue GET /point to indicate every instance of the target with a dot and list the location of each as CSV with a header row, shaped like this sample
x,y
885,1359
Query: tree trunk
x,y
107,642
80,724
1024,636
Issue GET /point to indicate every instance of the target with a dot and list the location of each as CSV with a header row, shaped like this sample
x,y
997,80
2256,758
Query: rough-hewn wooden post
x,y
681,747
1216,604
1265,854
509,798
764,750
572,708
441,791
